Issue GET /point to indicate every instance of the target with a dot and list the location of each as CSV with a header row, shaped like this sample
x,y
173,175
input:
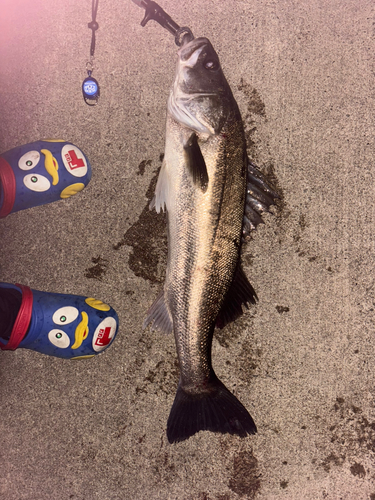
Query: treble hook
x,y
155,12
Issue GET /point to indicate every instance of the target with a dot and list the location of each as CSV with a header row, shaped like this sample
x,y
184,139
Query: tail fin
x,y
216,410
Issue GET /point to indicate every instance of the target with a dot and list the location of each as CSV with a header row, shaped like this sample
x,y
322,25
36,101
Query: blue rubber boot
x,y
41,172
65,326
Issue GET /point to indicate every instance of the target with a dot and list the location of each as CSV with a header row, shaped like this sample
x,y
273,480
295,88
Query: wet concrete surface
x,y
301,360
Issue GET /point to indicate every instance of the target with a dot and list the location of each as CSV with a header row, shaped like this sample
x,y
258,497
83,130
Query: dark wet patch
x,y
98,269
88,453
142,166
282,309
358,470
338,404
141,438
255,111
163,378
303,253
245,480
302,249
164,467
142,352
352,428
248,361
352,436
247,259
227,335
148,239
332,459
122,430
203,496
302,222
255,105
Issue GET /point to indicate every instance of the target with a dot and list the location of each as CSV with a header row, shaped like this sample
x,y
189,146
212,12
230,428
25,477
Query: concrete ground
x,y
302,360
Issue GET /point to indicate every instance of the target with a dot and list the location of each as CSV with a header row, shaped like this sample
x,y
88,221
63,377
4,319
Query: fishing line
x,y
90,86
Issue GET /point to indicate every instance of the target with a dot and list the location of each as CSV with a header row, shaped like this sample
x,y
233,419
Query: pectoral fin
x,y
160,199
195,162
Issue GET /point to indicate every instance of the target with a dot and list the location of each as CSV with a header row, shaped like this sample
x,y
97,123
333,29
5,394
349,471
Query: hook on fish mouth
x,y
154,11
183,36
191,46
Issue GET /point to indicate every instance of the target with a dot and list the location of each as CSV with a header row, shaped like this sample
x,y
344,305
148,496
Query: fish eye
x,y
211,65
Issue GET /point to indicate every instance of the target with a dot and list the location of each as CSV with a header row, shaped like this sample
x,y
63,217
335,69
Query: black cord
x,y
93,25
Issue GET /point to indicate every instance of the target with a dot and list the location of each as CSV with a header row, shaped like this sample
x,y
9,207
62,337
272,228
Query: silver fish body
x,y
203,184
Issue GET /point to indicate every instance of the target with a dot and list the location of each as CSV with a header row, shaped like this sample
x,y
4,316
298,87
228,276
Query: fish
x,y
214,196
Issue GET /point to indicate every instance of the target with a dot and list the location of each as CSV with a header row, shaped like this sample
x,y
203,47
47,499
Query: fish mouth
x,y
187,50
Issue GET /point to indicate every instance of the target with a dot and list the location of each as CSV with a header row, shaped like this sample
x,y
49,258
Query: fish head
x,y
201,97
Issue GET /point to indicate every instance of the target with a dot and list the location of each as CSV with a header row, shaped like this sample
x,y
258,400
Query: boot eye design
x,y
36,182
59,338
65,315
29,160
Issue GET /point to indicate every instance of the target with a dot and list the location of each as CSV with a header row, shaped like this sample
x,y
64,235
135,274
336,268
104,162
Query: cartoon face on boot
x,y
42,172
70,326
68,318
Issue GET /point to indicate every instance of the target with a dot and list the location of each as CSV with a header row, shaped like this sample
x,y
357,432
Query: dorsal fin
x,y
259,197
196,163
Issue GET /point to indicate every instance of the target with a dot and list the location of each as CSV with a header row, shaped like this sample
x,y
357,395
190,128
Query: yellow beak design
x,y
97,304
51,165
71,190
82,331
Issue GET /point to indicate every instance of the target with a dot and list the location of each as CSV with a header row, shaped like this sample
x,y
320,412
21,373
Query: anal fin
x,y
240,293
158,315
